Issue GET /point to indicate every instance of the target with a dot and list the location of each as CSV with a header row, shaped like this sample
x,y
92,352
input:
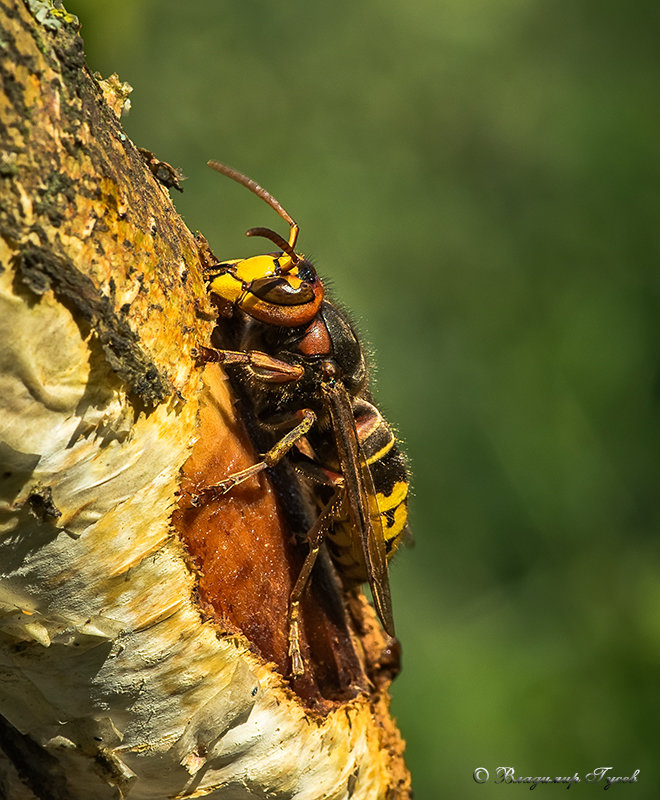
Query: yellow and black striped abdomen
x,y
390,484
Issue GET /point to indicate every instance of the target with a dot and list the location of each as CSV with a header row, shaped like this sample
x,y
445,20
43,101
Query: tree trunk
x,y
144,654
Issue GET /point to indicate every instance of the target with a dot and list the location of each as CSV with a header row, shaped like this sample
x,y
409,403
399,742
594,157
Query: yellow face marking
x,y
250,269
233,283
227,286
286,262
293,280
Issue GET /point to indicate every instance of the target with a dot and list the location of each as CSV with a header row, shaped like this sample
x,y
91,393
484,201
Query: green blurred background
x,y
479,181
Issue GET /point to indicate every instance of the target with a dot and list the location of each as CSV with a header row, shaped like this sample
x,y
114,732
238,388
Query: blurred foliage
x,y
479,181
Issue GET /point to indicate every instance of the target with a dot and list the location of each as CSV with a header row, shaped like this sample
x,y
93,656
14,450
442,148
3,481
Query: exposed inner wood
x,y
248,560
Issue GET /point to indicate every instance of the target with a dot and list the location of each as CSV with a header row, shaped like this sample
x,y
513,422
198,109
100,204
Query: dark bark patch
x,y
40,270
41,505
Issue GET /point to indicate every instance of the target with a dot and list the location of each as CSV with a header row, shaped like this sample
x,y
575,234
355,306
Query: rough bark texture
x,y
134,660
